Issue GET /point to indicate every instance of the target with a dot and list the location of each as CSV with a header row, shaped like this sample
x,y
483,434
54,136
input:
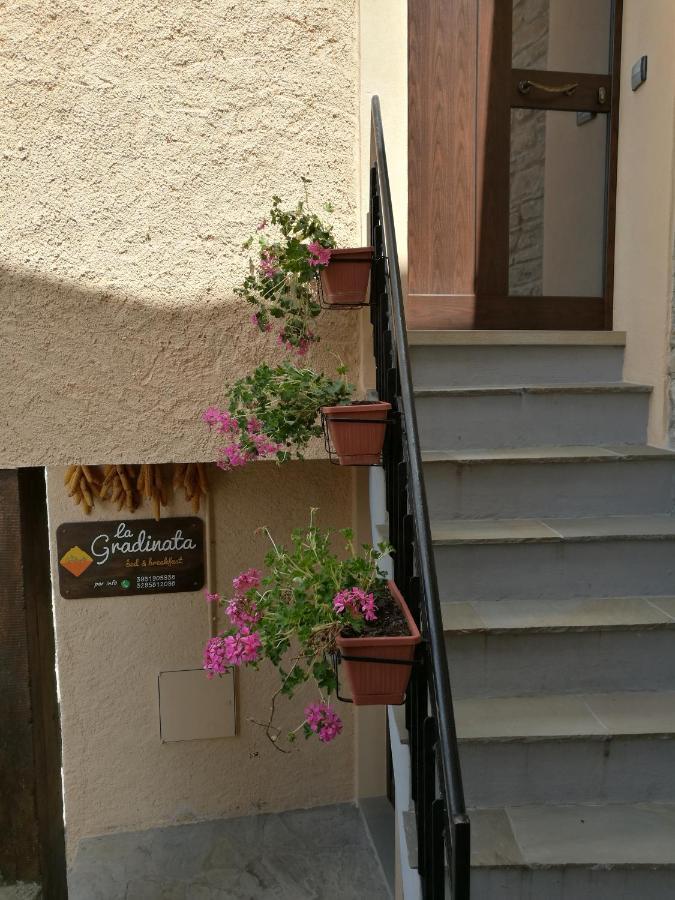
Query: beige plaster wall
x,y
117,773
139,145
644,236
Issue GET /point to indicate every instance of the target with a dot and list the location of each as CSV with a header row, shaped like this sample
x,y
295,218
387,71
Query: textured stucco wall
x,y
645,204
117,773
139,144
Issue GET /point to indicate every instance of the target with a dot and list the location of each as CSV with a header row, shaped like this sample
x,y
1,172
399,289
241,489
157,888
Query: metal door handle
x,y
525,86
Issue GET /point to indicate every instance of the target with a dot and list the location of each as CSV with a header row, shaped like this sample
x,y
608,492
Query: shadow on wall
x,y
93,376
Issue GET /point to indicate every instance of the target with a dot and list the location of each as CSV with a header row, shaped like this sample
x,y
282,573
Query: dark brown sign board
x,y
130,556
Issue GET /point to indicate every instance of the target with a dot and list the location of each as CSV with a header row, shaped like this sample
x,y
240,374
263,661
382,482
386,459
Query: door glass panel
x,y
562,35
557,203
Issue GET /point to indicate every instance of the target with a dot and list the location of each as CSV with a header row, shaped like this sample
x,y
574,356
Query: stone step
x,y
505,647
550,481
568,748
574,852
511,416
451,358
550,559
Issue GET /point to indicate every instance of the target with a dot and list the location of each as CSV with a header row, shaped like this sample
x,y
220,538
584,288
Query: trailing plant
x,y
290,248
293,615
274,412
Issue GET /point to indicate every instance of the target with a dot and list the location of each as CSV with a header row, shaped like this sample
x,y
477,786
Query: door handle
x,y
525,86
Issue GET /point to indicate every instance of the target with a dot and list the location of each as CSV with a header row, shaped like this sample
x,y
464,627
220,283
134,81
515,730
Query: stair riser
x,y
573,883
442,367
556,570
498,665
524,490
511,420
517,773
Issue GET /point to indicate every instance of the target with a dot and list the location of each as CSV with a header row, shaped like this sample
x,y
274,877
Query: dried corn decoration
x,y
119,486
83,484
191,477
128,486
152,487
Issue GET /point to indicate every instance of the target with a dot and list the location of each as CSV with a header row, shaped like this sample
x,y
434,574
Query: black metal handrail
x,y
443,830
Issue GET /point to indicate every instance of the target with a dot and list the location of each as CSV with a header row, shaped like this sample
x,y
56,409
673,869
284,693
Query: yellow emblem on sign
x,y
76,561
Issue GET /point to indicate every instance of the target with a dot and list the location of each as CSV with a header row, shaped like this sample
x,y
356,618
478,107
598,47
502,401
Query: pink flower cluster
x,y
215,660
255,321
221,420
302,346
211,598
318,255
243,611
269,264
231,650
249,579
243,647
250,444
357,602
323,721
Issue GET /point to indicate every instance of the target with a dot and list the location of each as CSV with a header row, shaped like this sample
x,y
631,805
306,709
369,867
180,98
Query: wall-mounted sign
x,y
137,556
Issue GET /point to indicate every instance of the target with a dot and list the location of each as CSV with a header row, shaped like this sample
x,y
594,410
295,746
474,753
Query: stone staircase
x,y
555,547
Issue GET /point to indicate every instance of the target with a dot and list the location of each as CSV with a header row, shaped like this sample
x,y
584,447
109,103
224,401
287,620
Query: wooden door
x,y
31,809
513,141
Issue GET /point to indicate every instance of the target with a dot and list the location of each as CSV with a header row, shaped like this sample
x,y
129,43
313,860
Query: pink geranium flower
x,y
318,255
215,657
242,647
246,580
323,721
357,602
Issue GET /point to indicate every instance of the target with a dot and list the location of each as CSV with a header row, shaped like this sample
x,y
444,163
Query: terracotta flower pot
x,y
345,279
357,443
374,684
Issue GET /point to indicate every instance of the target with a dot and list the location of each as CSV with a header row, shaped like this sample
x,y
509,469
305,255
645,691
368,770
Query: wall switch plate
x,y
193,707
638,74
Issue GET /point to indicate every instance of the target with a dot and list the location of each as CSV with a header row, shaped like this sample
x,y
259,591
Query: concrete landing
x,y
315,854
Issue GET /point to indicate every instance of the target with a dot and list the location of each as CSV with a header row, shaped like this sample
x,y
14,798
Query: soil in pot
x,y
357,443
345,279
392,636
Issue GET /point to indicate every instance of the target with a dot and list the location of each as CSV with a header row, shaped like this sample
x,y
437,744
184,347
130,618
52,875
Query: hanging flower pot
x,y
344,280
356,431
372,683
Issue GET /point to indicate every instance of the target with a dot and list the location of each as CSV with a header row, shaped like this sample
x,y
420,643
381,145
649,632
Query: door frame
x,y
459,105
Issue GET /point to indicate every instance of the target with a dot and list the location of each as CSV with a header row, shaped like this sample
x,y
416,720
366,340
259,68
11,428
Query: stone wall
x,y
528,156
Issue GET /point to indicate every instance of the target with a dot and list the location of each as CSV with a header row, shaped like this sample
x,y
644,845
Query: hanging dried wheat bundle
x,y
119,486
192,478
151,485
83,484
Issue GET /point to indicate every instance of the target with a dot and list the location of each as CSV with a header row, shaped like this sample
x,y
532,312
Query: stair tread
x,y
514,531
560,453
598,387
624,835
565,716
579,614
421,338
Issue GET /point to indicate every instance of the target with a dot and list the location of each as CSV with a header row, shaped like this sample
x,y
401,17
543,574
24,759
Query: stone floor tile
x,y
316,854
